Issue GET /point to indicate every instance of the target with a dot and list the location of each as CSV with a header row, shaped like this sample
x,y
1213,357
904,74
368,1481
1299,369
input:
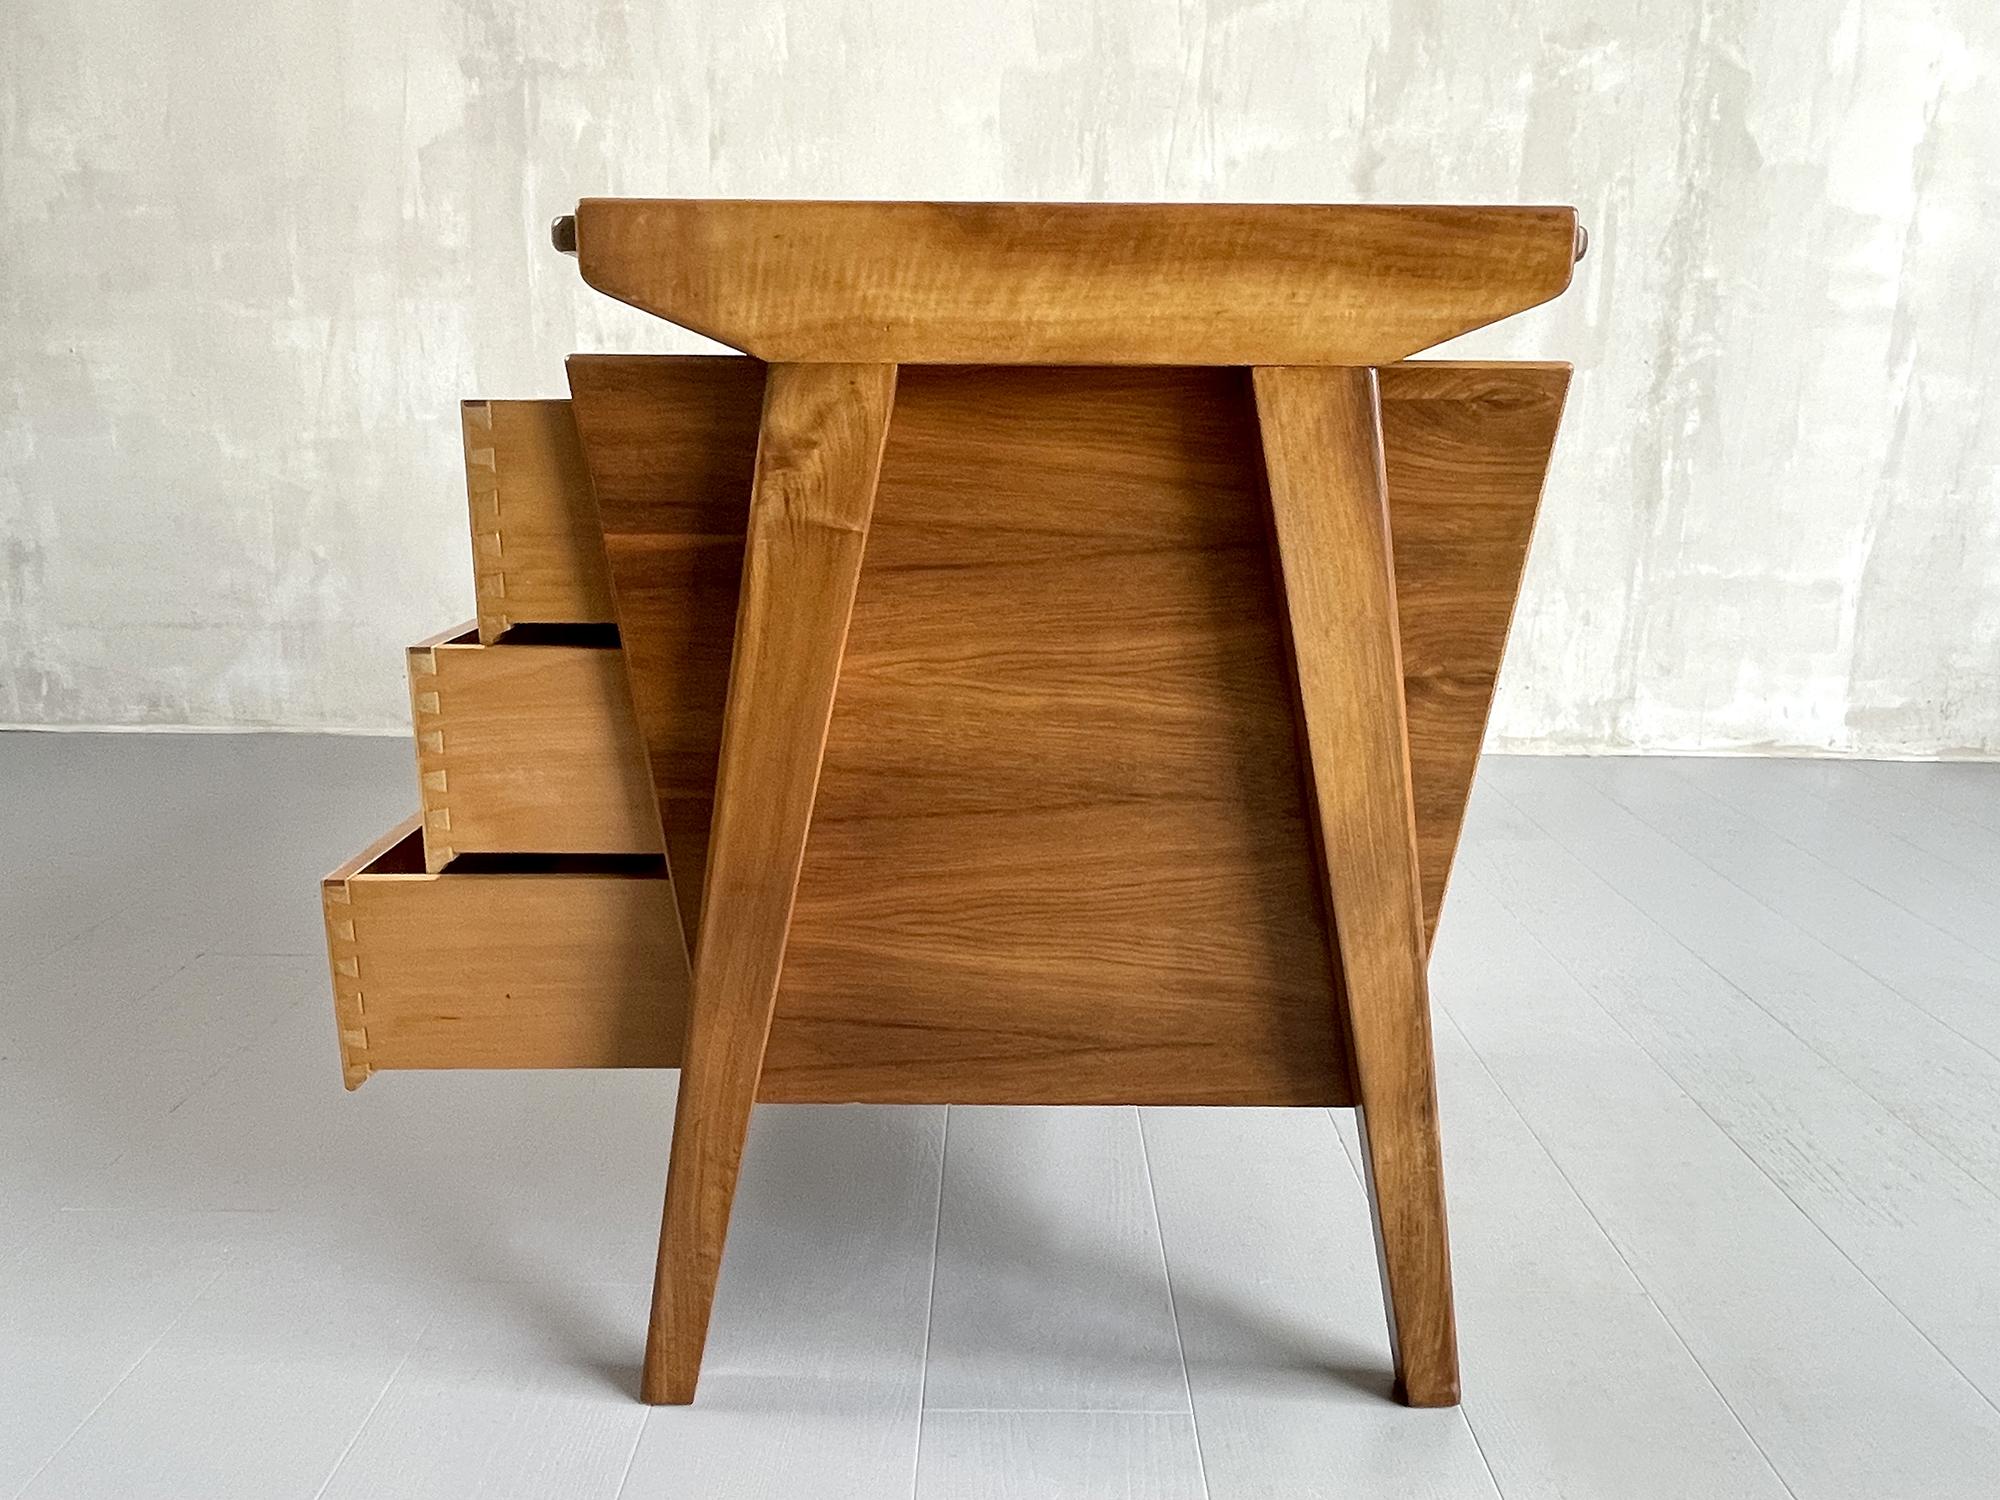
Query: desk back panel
x,y
1061,850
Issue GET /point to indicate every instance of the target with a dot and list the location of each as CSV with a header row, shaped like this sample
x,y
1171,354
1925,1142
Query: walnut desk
x,y
1057,659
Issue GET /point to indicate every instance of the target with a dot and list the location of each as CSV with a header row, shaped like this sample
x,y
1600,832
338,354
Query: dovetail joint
x,y
433,775
482,493
350,1007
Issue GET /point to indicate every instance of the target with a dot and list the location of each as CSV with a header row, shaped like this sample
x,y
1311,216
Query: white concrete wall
x,y
254,254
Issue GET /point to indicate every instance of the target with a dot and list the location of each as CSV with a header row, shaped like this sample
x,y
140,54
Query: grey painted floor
x,y
1719,1045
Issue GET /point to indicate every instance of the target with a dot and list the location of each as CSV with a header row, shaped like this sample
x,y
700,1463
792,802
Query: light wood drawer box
x,y
527,749
536,554
548,963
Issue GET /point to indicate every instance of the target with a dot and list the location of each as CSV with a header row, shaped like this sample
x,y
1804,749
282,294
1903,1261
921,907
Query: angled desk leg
x,y
1322,436
819,451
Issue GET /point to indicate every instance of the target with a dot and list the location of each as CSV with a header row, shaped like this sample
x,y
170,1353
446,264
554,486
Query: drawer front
x,y
528,750
536,555
549,967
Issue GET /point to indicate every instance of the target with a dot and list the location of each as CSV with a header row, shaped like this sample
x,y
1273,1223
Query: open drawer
x,y
550,962
528,747
536,556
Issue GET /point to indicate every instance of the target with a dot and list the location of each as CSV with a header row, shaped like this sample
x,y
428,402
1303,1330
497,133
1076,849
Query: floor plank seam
x,y
106,1024
131,1369
1724,1131
1609,1239
1947,808
226,1058
1173,1308
1056,1411
1830,796
930,1308
1611,796
1837,874
1471,1431
632,1457
1750,811
373,1407
1940,1149
90,1177
1783,1191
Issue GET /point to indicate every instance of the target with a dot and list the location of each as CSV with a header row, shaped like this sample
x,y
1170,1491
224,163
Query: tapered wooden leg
x,y
819,450
1322,437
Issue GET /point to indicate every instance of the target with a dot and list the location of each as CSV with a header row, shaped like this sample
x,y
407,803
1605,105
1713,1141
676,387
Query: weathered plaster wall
x,y
254,255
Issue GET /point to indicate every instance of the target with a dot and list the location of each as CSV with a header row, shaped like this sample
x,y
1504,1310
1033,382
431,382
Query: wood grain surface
x,y
1466,447
1329,503
1116,684
535,551
1060,853
554,965
672,446
527,749
1075,283
819,449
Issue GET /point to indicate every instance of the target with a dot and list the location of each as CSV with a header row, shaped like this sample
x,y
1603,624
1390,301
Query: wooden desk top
x,y
1073,283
